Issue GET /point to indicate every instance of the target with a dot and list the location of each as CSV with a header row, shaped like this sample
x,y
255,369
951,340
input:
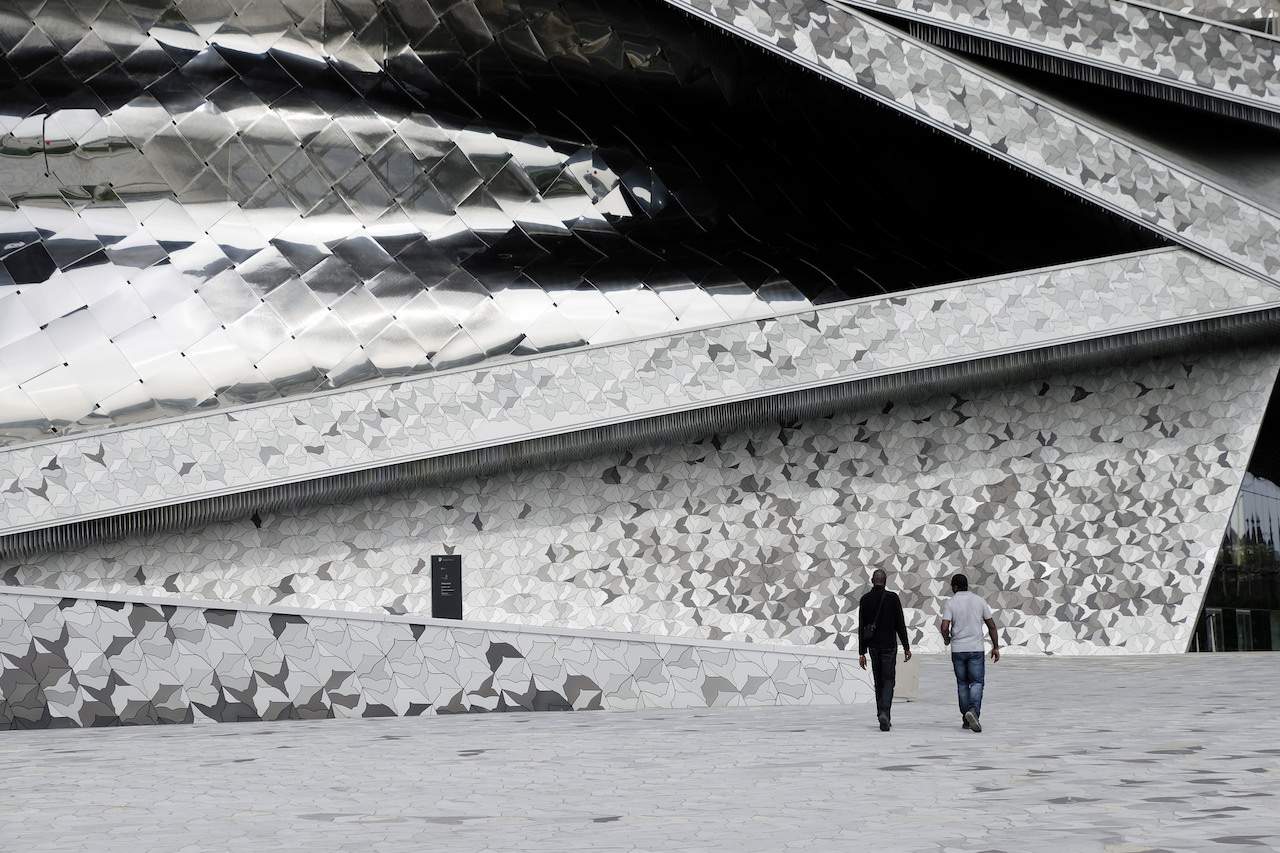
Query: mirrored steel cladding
x,y
210,204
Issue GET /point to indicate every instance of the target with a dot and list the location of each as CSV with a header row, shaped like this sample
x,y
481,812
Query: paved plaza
x,y
1123,755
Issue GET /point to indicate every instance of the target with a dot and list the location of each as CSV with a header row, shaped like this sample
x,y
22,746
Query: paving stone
x,y
1127,755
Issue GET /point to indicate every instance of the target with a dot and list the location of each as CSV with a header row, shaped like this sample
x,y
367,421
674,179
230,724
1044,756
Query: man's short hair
x,y
879,578
959,583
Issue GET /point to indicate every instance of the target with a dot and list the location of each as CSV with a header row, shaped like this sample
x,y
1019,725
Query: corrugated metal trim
x,y
975,45
1261,327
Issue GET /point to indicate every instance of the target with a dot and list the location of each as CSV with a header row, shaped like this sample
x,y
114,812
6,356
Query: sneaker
x,y
972,719
884,722
964,722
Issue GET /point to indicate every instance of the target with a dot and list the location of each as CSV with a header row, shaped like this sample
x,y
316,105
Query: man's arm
x,y
946,631
902,628
862,643
995,640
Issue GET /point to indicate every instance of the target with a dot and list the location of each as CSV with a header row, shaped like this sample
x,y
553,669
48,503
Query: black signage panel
x,y
446,586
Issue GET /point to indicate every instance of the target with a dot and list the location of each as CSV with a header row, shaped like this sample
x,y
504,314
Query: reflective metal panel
x,y
205,205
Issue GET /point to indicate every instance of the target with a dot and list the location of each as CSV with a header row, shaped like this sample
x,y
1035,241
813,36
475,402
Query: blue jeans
x,y
971,669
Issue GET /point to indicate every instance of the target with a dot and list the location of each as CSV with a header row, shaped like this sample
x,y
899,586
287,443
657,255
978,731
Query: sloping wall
x,y
82,662
1087,507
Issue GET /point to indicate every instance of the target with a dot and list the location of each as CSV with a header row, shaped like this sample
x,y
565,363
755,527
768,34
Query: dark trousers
x,y
884,671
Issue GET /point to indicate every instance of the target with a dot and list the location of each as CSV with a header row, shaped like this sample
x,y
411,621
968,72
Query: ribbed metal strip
x,y
1262,327
976,45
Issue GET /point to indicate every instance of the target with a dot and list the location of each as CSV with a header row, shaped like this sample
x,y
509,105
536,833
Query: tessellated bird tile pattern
x,y
248,244
1220,62
73,662
1088,507
1248,13
150,465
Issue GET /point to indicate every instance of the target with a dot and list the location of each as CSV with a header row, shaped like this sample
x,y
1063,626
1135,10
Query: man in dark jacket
x,y
883,610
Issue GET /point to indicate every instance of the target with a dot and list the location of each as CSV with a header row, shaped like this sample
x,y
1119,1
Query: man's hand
x,y
862,661
995,655
907,652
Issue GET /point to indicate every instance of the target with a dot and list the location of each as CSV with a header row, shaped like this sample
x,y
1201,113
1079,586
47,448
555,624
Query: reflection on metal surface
x,y
214,204
1253,534
1242,606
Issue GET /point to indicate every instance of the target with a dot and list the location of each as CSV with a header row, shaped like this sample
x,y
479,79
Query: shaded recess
x,y
784,174
415,187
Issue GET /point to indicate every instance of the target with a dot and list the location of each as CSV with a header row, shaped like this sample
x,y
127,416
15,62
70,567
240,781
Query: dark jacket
x,y
891,621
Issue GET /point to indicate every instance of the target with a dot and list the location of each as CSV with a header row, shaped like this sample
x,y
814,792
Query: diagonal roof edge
x,y
297,441
1214,60
1224,332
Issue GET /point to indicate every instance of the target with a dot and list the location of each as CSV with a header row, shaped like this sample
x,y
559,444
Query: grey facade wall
x,y
1088,509
169,462
1224,10
71,662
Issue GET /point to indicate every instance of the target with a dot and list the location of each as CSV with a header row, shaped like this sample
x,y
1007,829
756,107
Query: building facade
x,y
672,319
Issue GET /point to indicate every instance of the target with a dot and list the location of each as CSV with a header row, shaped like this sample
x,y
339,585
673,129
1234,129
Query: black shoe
x,y
972,719
964,722
884,722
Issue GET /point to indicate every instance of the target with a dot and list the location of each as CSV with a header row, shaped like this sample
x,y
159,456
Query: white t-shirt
x,y
965,611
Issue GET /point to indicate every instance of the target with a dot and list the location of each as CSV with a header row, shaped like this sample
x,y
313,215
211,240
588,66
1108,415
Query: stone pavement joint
x,y
1109,754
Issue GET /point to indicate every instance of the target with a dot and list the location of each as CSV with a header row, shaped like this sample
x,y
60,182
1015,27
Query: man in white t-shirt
x,y
963,617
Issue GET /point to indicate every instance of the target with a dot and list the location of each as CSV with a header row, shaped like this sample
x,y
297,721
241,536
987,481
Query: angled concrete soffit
x,y
988,110
203,456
